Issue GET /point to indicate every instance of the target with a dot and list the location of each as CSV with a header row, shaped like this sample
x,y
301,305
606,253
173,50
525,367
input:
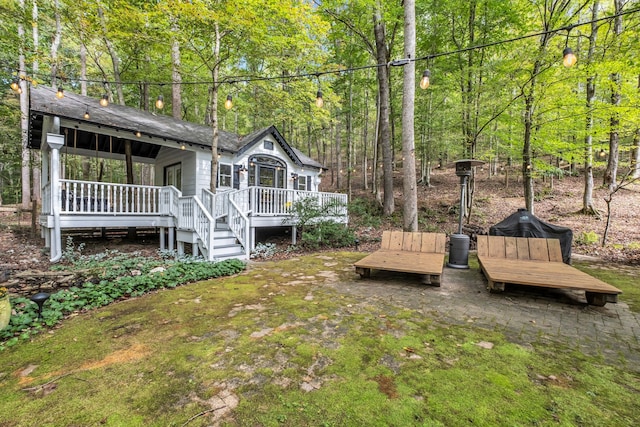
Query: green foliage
x,y
588,238
315,225
120,276
365,212
264,250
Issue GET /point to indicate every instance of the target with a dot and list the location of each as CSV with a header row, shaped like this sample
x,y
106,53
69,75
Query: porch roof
x,y
107,128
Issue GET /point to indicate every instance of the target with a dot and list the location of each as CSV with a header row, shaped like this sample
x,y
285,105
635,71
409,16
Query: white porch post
x,y
55,142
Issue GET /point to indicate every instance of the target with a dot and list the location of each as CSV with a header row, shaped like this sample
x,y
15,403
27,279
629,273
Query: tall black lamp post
x,y
459,243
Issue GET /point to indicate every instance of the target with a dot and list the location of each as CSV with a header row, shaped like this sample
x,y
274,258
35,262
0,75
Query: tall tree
x,y
410,203
24,110
610,174
587,199
384,92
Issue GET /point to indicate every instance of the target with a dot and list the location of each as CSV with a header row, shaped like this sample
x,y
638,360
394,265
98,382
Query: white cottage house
x,y
260,176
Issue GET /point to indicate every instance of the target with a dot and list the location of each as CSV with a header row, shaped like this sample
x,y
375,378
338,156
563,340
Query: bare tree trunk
x,y
214,108
382,56
35,155
610,174
24,116
410,205
365,142
587,199
635,156
349,138
176,76
338,155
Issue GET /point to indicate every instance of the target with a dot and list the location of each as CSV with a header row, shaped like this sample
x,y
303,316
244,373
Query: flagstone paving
x,y
525,315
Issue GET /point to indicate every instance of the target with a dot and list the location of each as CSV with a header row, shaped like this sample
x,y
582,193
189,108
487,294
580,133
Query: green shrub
x,y
365,212
115,282
315,226
588,238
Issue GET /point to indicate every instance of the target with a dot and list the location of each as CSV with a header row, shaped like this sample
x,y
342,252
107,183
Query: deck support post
x,y
163,243
294,237
55,142
172,237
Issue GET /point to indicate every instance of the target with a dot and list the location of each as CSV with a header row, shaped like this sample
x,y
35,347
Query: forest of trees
x,y
498,89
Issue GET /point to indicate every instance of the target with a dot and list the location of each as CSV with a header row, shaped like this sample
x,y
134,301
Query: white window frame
x,y
303,183
228,176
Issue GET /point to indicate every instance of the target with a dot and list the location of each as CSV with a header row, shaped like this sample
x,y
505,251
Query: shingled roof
x,y
123,123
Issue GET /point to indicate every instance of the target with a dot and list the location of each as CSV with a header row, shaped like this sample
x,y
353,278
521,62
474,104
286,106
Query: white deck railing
x,y
217,204
193,216
279,201
98,198
86,197
239,224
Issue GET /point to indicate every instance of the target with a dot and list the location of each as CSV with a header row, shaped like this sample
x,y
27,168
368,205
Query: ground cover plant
x,y
115,276
285,343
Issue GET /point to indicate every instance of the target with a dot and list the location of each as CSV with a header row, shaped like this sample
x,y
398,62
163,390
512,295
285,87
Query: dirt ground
x,y
494,199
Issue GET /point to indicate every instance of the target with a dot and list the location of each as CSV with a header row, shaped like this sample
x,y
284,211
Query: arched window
x,y
267,171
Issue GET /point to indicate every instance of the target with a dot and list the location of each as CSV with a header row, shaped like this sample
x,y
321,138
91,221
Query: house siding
x,y
187,159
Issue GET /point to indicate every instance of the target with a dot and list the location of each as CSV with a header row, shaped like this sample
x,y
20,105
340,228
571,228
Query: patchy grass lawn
x,y
273,346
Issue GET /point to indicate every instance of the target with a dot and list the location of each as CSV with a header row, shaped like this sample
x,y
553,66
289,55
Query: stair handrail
x,y
216,203
239,225
195,217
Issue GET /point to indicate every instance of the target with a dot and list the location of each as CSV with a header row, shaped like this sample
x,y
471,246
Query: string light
x,y
87,116
228,104
319,100
15,85
60,93
568,55
160,102
426,79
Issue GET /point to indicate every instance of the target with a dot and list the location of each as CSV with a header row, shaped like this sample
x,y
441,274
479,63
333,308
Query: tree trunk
x,y
35,155
635,156
410,205
214,108
384,136
365,141
24,116
527,164
587,199
349,138
176,76
610,174
338,154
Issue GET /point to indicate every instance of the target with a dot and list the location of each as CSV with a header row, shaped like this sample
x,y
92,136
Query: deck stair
x,y
225,243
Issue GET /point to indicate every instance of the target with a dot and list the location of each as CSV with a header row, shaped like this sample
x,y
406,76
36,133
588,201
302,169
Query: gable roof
x,y
109,127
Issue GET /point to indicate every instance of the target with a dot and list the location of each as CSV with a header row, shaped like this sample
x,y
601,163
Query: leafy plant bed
x,y
304,342
114,276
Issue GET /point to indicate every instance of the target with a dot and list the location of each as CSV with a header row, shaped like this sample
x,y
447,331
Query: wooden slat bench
x,y
537,262
407,252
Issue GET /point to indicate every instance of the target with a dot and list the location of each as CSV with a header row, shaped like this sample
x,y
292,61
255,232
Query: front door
x,y
173,176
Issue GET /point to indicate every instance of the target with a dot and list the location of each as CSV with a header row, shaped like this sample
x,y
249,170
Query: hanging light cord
x,y
397,62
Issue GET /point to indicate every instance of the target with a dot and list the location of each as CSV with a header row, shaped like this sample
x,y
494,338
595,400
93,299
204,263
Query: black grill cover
x,y
523,224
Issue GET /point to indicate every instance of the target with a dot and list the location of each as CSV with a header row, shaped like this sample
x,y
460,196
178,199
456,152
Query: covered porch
x,y
209,222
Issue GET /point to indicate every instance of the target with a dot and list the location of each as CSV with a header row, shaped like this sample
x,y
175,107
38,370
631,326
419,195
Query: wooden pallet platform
x,y
537,262
407,252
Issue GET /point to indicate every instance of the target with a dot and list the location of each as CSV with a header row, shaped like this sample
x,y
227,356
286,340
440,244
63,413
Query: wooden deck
x,y
406,252
537,262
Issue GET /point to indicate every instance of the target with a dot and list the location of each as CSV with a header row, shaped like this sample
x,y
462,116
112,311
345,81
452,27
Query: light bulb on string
x,y
569,59
425,82
104,101
228,104
60,93
319,100
160,102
